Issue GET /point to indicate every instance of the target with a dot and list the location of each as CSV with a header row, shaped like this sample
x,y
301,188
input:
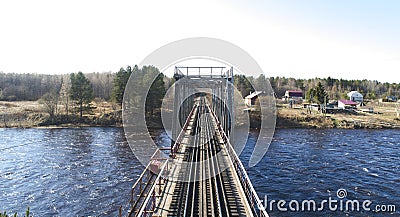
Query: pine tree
x,y
81,91
320,94
157,89
119,83
317,94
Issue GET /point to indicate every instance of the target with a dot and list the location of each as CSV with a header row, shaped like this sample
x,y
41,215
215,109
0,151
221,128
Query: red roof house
x,y
294,93
344,103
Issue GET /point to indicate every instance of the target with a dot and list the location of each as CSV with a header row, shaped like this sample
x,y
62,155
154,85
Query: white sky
x,y
302,39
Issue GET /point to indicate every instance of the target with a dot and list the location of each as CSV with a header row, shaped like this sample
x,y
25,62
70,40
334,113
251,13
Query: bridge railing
x,y
144,191
148,186
149,204
251,195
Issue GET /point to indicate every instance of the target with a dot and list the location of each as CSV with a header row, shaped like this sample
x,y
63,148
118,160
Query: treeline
x,y
31,87
66,98
109,86
140,78
335,88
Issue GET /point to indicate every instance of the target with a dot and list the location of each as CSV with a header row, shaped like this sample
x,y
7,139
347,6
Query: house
x,y
355,96
250,100
295,95
345,104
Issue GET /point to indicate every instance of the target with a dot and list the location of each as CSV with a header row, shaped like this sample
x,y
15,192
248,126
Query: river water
x,y
89,171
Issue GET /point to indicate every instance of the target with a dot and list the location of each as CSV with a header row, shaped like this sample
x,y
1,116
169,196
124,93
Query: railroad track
x,y
205,194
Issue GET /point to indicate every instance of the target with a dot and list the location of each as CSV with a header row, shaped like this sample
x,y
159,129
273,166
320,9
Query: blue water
x,y
89,171
308,164
65,172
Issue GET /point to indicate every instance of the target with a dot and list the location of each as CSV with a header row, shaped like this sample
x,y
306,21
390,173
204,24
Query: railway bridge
x,y
202,175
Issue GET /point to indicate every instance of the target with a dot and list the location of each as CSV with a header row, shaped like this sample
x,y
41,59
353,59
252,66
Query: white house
x,y
355,96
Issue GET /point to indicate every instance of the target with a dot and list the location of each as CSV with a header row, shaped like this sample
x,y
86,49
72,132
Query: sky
x,y
351,39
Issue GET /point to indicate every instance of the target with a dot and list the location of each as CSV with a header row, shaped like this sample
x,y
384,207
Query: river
x,y
89,171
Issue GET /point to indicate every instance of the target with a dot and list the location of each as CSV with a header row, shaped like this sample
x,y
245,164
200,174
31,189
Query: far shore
x,y
29,114
383,117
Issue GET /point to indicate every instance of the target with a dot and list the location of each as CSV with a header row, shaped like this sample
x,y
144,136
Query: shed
x,y
344,104
250,100
355,96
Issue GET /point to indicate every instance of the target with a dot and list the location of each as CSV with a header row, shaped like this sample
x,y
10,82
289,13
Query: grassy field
x,y
32,114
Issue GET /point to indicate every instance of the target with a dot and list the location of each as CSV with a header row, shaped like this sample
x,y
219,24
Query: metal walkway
x,y
208,177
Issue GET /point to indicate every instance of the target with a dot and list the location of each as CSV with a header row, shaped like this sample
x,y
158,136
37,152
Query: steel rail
x,y
190,164
176,145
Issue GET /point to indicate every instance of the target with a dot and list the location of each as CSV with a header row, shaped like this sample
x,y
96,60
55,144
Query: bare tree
x,y
64,93
50,102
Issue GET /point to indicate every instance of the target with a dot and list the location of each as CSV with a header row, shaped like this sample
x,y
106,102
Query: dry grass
x,y
32,113
20,106
385,116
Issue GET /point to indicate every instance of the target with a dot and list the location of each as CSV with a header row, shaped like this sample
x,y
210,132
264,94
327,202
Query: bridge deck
x,y
205,154
205,175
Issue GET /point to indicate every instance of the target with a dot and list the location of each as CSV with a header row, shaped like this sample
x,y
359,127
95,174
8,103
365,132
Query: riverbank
x,y
28,114
384,117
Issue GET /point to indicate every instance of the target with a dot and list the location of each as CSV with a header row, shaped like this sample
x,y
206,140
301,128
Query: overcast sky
x,y
352,39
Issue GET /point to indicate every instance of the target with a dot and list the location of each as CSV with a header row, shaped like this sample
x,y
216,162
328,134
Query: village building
x,y
355,96
347,104
250,100
294,95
